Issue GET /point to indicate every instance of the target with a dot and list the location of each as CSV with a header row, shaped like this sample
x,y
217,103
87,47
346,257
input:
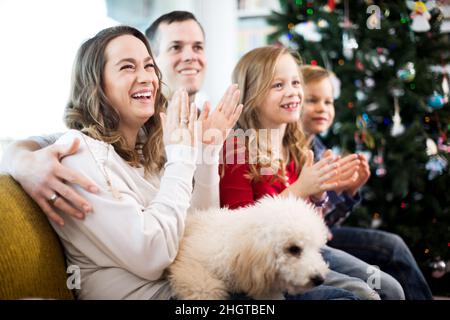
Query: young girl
x,y
395,258
272,95
276,148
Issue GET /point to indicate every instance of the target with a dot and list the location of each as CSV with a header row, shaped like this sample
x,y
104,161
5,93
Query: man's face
x,y
181,57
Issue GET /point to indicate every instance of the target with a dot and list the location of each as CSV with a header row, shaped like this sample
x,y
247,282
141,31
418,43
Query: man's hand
x,y
42,176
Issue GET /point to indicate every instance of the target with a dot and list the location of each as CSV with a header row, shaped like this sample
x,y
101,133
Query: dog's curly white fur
x,y
263,250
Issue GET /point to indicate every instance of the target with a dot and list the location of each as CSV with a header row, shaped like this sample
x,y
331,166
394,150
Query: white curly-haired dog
x,y
263,250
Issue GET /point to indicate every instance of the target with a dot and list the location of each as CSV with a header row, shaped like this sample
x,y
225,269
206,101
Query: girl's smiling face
x,y
284,99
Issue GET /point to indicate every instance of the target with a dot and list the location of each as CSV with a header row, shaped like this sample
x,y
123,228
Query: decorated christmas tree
x,y
392,59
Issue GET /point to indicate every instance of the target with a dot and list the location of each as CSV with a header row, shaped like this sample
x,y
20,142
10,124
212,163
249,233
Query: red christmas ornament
x,y
331,4
359,65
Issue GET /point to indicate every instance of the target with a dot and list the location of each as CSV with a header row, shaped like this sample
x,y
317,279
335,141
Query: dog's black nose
x,y
317,280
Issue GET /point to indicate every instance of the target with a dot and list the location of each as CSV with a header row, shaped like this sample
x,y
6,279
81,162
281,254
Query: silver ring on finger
x,y
184,122
53,198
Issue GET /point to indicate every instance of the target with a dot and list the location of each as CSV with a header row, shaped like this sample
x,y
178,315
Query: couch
x,y
32,263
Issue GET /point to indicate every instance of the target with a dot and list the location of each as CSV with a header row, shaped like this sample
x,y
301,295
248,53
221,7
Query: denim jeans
x,y
387,251
324,292
385,285
321,292
354,285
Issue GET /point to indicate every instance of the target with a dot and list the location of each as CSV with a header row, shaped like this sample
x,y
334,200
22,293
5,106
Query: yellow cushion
x,y
32,262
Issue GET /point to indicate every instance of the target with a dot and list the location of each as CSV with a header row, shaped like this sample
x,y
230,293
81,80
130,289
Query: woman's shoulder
x,y
88,146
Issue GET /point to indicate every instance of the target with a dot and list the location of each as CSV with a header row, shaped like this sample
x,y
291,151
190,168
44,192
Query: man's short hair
x,y
174,16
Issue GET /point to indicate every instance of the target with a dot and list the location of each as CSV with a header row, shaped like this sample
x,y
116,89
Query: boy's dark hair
x,y
175,16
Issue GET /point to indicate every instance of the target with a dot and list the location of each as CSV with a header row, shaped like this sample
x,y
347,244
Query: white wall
x,y
219,20
39,40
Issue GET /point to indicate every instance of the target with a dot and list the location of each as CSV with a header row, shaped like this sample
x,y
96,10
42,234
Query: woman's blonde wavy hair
x,y
254,74
90,111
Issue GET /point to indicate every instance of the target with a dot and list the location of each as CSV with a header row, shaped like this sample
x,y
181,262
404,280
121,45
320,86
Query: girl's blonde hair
x,y
254,74
90,111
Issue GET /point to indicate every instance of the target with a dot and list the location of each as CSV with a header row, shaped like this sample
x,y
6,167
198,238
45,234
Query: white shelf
x,y
254,13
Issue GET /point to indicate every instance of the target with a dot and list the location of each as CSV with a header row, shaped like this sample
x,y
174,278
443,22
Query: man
x,y
177,40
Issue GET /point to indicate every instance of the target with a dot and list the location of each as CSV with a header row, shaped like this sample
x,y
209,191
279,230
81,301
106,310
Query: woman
x,y
144,166
142,159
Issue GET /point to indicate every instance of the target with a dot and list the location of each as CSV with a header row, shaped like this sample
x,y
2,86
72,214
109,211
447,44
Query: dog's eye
x,y
294,250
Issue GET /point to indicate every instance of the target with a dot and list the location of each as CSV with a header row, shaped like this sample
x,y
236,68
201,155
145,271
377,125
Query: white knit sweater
x,y
123,247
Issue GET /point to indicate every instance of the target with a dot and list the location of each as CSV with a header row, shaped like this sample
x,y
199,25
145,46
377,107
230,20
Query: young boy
x,y
386,250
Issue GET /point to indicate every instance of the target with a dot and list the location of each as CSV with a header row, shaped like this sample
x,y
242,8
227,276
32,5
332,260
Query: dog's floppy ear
x,y
253,267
